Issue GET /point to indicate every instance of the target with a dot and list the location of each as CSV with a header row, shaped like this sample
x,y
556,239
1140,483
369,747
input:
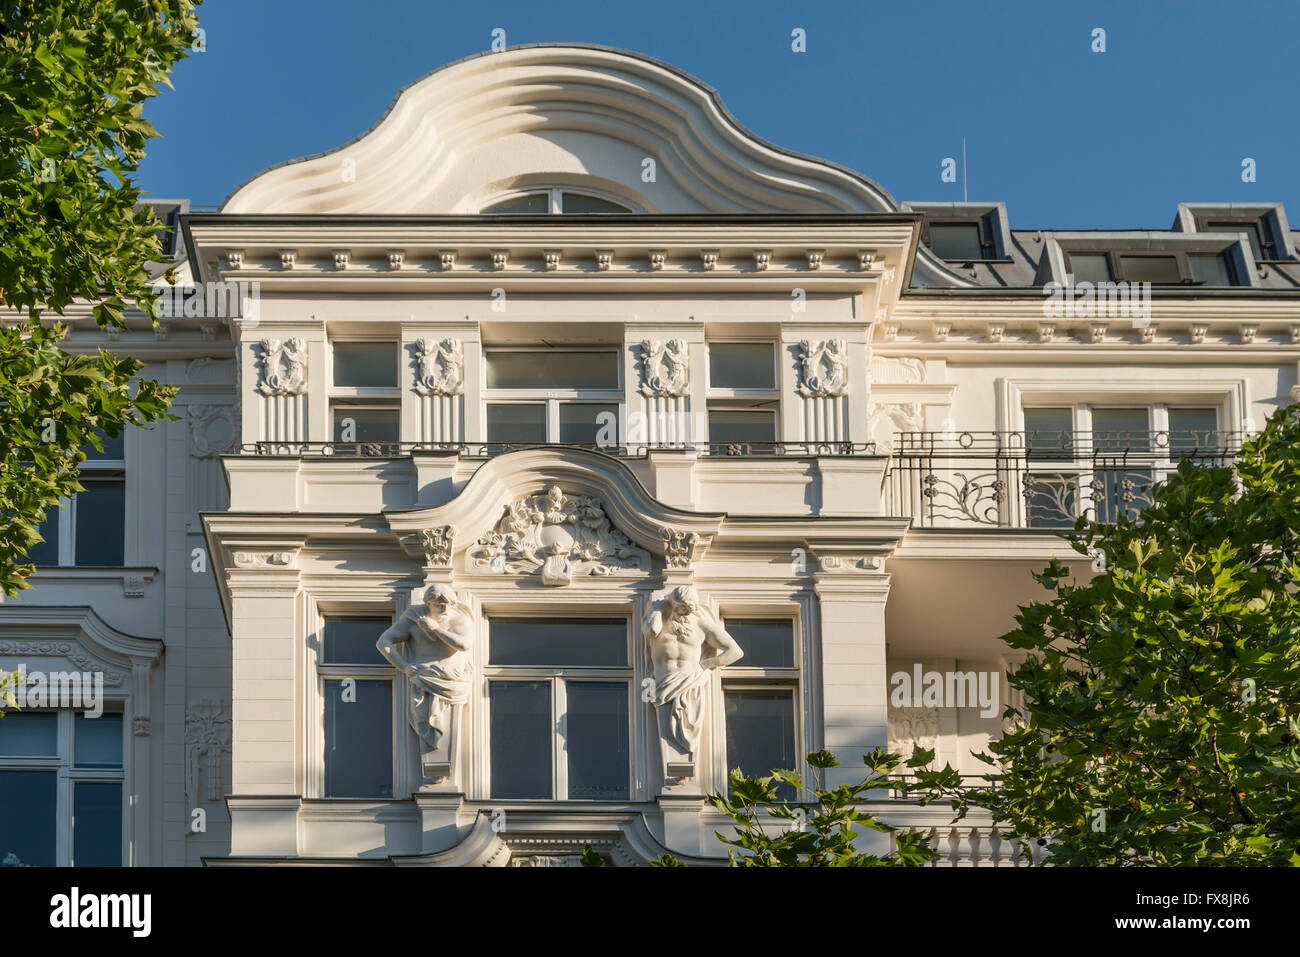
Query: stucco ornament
x,y
562,536
680,630
441,367
284,367
437,544
430,644
665,368
825,366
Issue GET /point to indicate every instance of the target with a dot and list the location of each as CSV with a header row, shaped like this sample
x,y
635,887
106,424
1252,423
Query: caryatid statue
x,y
680,629
430,644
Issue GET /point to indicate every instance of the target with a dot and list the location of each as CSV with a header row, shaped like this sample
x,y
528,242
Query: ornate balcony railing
x,y
488,449
1038,479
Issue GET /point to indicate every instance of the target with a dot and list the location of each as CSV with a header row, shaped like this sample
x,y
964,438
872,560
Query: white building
x,y
559,335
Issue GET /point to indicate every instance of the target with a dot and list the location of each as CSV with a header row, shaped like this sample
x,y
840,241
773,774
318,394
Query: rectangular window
x,y
553,396
582,423
365,365
1251,227
1049,433
46,553
1211,269
760,733
1158,270
365,398
957,241
366,424
516,423
767,643
742,365
357,686
552,369
558,708
740,427
28,816
1090,267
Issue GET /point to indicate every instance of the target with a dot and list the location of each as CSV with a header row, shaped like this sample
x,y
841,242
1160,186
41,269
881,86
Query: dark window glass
x,y
577,203
365,365
351,641
1051,499
956,241
760,734
101,521
521,738
516,422
1160,270
32,734
1213,269
741,426
1120,491
1121,429
27,824
741,365
97,742
596,738
47,552
767,643
114,447
559,642
552,369
582,423
1049,433
1249,227
367,425
359,740
1090,267
529,203
1192,429
97,824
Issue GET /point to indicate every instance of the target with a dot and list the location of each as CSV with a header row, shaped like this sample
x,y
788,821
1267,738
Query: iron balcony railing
x,y
1039,479
488,449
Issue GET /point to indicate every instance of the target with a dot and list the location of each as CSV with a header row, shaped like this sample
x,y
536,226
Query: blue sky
x,y
1065,136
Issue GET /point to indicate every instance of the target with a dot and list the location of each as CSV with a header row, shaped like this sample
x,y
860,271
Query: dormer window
x,y
1157,268
958,241
1261,243
554,201
965,232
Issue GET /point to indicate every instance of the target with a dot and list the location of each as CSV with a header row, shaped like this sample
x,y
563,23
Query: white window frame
x,y
740,677
69,775
551,398
744,400
555,199
388,399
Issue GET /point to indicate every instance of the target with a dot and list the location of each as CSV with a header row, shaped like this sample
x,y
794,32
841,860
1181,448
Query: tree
x,y
73,80
1160,724
818,833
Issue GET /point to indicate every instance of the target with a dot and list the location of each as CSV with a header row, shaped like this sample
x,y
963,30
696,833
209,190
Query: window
x,y
1108,459
357,686
365,401
558,709
759,698
61,778
90,528
742,365
1090,267
1257,233
554,200
1204,268
743,397
957,241
539,396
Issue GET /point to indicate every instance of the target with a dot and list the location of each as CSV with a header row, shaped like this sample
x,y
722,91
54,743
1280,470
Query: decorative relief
x,y
560,536
886,418
1199,331
762,259
679,547
206,370
1098,331
212,430
665,367
133,586
1149,332
440,367
546,860
437,545
657,259
709,259
913,728
825,368
63,649
263,559
207,738
284,367
846,563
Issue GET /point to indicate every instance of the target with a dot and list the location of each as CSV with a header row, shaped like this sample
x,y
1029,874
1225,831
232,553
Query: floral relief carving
x,y
207,738
665,367
212,430
64,649
825,367
441,367
437,545
559,535
913,727
679,547
284,367
897,370
263,559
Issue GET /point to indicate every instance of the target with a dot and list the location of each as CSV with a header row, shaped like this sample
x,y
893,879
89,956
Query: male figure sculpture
x,y
679,629
430,644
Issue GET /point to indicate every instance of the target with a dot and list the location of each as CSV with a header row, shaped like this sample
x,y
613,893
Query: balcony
x,y
489,449
1038,479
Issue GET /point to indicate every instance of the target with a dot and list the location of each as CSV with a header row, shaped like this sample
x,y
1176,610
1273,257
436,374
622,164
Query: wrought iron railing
x,y
488,449
1039,479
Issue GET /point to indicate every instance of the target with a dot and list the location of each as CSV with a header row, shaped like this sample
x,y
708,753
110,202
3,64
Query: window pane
x,y
1192,429
114,447
559,642
767,643
581,423
529,203
760,733
1121,429
1121,491
596,739
27,807
956,241
552,369
520,423
47,552
365,365
366,425
572,203
97,824
351,641
741,426
1051,499
97,742
101,522
1049,433
359,740
34,734
1090,267
741,365
1154,269
1251,229
1211,268
521,738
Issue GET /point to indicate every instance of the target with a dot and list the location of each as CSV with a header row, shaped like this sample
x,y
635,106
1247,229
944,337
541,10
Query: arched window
x,y
555,200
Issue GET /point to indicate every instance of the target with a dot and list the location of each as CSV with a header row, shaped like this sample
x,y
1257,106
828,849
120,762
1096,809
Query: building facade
x,y
558,444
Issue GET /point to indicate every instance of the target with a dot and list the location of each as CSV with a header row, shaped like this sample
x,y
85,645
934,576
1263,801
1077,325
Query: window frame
x,y
552,398
386,398
1181,257
97,470
723,398
1268,244
555,200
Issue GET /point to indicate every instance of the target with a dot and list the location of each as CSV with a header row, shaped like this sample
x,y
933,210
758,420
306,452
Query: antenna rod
x,y
964,197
